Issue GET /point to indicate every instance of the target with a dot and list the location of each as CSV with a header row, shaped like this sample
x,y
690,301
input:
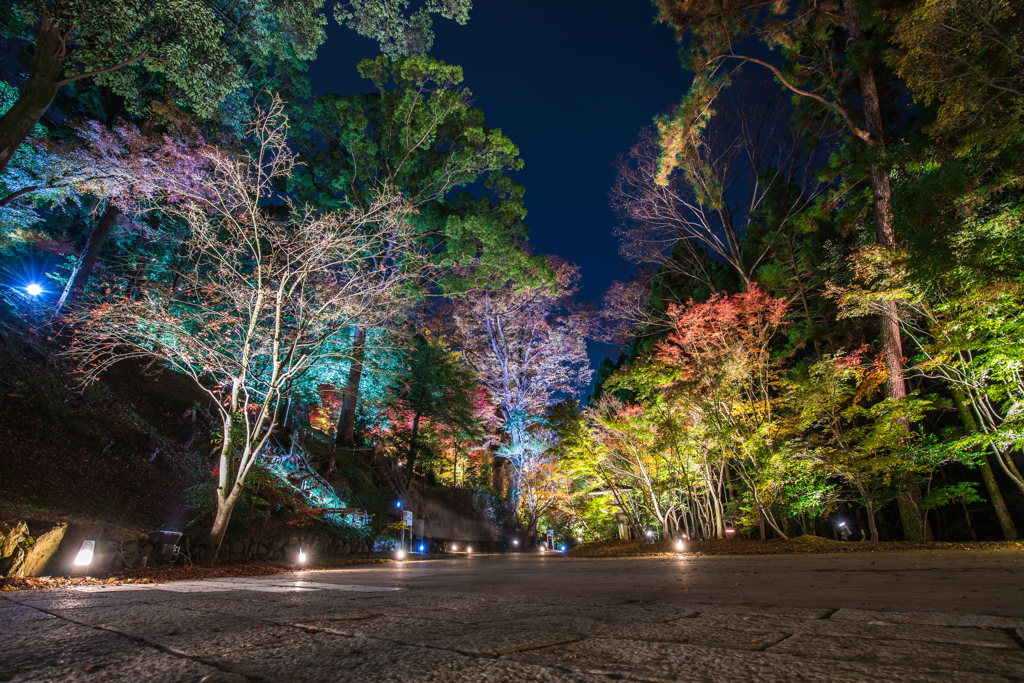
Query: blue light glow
x,y
422,548
33,289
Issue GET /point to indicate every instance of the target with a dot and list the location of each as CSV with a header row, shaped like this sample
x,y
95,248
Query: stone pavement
x,y
526,618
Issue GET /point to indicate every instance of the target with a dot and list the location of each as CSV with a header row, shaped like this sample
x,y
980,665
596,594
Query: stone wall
x,y
29,548
285,548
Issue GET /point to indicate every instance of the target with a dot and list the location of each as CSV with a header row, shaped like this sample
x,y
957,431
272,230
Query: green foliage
x,y
964,57
418,136
196,53
961,492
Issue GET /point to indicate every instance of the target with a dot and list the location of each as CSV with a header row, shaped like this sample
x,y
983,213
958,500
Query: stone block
x,y
42,552
11,534
938,657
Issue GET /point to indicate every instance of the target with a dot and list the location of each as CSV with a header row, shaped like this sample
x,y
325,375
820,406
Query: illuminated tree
x,y
263,299
830,51
630,460
967,58
435,391
527,345
419,137
196,53
863,445
710,201
723,367
535,475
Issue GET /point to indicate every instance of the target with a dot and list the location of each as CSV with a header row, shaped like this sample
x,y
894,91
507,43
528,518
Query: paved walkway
x,y
872,617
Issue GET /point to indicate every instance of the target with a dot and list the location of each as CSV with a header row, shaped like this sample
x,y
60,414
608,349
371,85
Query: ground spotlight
x,y
302,556
562,548
84,556
454,547
679,545
423,548
468,549
400,555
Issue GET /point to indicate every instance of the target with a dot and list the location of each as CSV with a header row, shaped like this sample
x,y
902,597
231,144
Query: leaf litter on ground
x,y
799,545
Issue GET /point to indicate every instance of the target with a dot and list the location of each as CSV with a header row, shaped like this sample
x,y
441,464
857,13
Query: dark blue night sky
x,y
571,82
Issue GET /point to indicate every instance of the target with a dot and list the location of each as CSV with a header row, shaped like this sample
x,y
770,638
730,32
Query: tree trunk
x,y
871,524
346,437
220,527
410,459
909,500
987,475
47,62
79,277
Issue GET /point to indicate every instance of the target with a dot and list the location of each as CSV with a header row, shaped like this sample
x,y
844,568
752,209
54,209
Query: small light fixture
x,y
302,556
401,555
398,504
84,556
469,549
454,547
562,548
515,542
679,545
35,290
423,548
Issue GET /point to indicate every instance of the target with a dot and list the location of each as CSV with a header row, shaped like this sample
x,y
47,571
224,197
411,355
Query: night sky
x,y
571,82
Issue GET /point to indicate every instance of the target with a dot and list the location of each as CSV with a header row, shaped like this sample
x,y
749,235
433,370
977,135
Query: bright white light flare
x,y
401,554
34,289
302,556
84,556
679,545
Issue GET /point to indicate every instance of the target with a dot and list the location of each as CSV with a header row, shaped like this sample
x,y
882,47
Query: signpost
x,y
407,518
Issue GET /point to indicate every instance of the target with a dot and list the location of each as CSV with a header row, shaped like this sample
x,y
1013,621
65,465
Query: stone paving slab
x,y
645,661
932,618
679,631
463,638
761,611
938,657
287,612
956,635
40,647
328,658
520,620
482,613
